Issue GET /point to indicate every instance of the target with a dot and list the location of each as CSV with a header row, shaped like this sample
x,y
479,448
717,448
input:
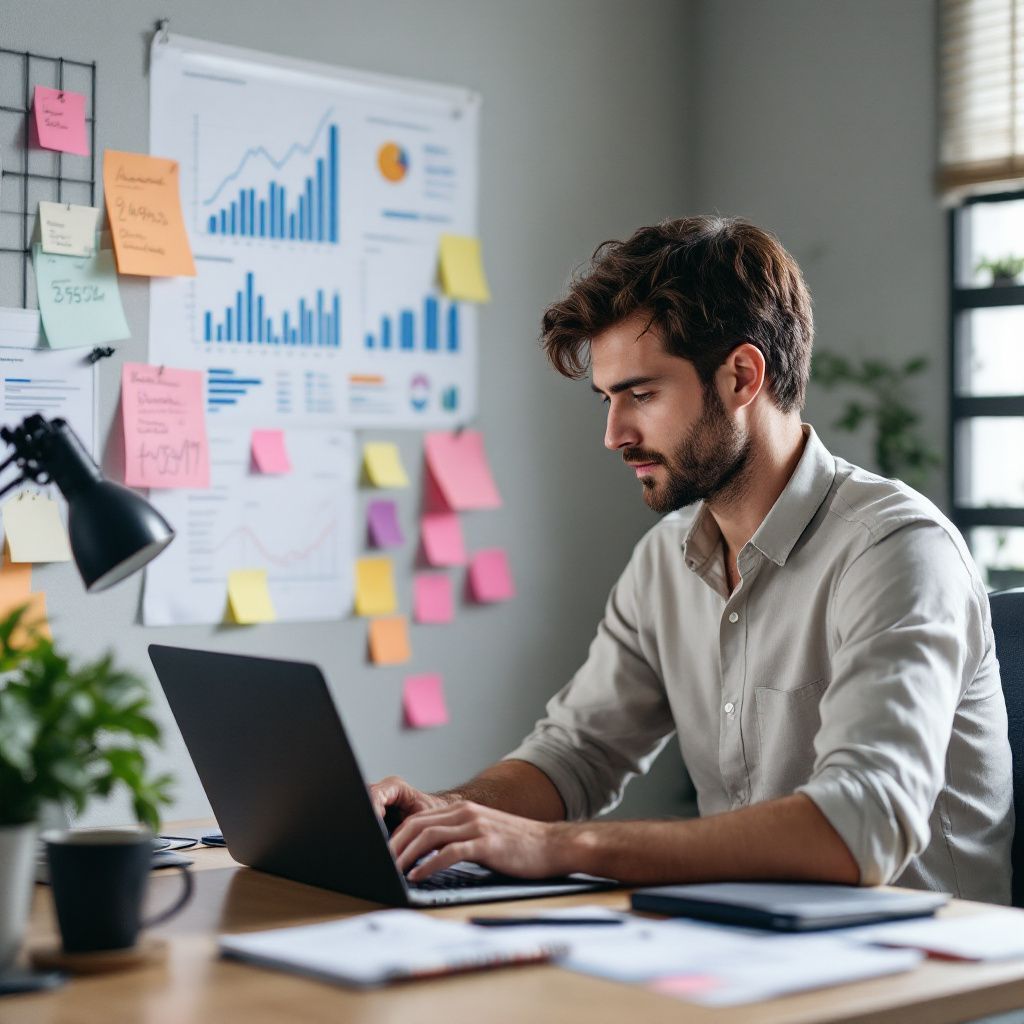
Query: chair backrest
x,y
1008,627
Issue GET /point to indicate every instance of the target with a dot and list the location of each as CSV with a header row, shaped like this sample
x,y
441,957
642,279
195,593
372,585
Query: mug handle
x,y
183,898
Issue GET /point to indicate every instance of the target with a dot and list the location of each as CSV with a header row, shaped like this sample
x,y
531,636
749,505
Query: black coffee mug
x,y
98,877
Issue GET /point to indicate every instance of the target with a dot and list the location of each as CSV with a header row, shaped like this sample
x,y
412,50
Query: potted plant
x,y
1004,269
67,733
900,448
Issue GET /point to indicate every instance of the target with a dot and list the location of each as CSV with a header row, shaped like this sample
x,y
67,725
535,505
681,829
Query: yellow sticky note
x,y
249,597
375,587
462,269
143,197
34,531
389,641
383,464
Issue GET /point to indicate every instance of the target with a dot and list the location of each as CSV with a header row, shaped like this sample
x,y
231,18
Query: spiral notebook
x,y
385,946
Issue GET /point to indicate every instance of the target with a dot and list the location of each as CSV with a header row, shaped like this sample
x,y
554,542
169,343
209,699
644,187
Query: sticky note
x,y
34,531
441,533
269,452
462,269
34,621
432,599
15,583
459,468
423,701
79,298
375,587
383,464
165,441
389,641
66,229
382,519
249,597
60,120
144,206
490,578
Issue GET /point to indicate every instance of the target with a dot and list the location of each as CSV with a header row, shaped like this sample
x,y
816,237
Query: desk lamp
x,y
113,530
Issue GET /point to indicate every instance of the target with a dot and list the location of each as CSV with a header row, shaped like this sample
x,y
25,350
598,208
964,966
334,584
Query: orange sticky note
x,y
441,533
389,641
432,599
459,467
15,583
269,453
490,578
163,411
423,701
34,622
60,120
144,206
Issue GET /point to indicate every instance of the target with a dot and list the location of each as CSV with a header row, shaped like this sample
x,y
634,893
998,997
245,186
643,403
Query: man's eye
x,y
641,396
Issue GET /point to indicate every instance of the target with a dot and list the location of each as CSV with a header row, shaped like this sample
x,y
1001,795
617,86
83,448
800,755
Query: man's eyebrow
x,y
625,385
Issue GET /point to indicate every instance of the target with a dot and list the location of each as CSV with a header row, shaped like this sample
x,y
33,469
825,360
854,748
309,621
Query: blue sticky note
x,y
79,298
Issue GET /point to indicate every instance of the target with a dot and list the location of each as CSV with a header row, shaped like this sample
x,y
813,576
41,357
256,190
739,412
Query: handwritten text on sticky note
x,y
423,701
66,229
60,120
164,427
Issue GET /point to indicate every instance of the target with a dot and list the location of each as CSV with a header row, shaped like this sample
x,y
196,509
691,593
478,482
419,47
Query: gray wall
x,y
584,136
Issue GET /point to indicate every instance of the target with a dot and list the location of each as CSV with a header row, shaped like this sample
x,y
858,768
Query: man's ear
x,y
742,375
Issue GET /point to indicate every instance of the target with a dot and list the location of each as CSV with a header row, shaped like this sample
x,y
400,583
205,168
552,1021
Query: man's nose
x,y
619,431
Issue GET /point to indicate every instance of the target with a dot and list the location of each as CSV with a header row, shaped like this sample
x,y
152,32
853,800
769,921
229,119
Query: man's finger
x,y
434,838
451,854
412,826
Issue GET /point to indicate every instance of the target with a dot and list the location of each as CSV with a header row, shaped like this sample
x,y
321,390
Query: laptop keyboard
x,y
463,876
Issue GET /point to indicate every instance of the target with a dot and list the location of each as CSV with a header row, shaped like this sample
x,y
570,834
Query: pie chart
x,y
393,161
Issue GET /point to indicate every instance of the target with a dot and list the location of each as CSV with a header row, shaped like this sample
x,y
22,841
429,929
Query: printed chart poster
x,y
314,202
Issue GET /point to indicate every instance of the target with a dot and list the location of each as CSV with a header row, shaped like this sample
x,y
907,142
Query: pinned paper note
x,y
383,464
60,120
33,530
389,641
269,453
79,298
382,519
164,427
423,701
375,587
68,230
441,533
458,466
490,578
249,597
432,599
144,207
462,269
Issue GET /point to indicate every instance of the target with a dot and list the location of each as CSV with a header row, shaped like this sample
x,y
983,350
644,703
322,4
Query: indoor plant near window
x,y
1004,269
900,448
67,733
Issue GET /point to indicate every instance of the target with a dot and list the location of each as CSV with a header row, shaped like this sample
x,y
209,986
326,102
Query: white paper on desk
x,y
995,935
383,946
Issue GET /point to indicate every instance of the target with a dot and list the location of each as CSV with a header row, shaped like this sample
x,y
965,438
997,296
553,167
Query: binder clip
x,y
98,353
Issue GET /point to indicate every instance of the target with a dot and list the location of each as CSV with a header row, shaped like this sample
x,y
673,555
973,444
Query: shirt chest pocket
x,y
787,722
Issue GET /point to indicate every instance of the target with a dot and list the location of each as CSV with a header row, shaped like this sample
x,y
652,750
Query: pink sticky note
x,y
458,464
490,578
164,428
432,600
60,120
269,453
382,518
423,701
442,539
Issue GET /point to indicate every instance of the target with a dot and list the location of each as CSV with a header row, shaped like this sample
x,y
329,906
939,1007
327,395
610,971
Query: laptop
x,y
268,743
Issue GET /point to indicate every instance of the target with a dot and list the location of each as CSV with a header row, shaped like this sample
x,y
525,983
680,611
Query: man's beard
x,y
708,464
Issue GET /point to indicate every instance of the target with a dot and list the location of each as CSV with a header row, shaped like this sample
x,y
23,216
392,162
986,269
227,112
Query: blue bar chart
x,y
307,212
417,330
249,320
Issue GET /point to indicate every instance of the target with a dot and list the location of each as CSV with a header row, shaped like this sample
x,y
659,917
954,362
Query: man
x,y
817,636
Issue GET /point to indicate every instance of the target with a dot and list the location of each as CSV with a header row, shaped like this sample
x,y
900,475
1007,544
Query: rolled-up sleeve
x,y
611,720
906,618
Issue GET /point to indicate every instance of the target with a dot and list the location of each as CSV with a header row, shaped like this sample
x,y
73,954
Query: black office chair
x,y
1008,627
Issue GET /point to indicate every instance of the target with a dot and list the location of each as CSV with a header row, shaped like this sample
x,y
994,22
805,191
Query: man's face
x,y
676,436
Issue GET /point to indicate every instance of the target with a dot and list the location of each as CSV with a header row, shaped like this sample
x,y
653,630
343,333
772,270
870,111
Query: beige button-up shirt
x,y
854,663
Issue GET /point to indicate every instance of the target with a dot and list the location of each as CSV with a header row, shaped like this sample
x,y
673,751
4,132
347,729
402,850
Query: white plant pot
x,y
17,872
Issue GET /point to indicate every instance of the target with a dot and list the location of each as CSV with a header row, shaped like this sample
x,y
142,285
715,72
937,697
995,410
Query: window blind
x,y
981,92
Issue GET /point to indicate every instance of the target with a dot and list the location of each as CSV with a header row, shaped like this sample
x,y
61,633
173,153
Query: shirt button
x,y
734,617
730,708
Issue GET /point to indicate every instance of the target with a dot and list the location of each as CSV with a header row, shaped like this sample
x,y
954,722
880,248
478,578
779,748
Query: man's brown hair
x,y
707,284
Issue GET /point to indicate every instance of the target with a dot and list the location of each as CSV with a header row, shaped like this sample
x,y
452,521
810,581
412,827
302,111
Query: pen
x,y
509,922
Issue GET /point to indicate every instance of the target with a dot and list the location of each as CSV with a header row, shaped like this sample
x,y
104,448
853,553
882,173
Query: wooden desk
x,y
193,986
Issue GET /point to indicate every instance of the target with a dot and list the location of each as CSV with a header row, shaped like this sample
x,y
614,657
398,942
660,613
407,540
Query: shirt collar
x,y
794,508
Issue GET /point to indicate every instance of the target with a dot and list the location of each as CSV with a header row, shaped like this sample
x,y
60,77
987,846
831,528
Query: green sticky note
x,y
79,298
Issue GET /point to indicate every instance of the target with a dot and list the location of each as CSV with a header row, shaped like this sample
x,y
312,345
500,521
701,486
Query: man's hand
x,y
397,793
468,831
